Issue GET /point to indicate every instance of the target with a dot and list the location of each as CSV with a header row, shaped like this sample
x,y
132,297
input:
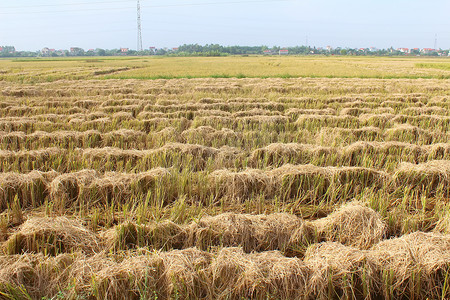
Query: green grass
x,y
442,66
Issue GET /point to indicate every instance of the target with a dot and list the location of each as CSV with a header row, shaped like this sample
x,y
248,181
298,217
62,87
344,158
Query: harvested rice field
x,y
223,188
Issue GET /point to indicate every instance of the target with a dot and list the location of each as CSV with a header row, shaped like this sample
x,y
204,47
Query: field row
x,y
301,183
192,157
352,225
239,107
207,136
413,266
389,125
231,87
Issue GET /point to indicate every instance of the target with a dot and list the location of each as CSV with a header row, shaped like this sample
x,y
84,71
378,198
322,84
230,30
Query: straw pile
x,y
158,236
28,189
340,272
51,236
281,231
66,188
415,265
237,275
353,224
431,178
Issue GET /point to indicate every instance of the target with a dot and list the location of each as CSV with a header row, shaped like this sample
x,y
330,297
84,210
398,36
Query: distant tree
x,y
101,52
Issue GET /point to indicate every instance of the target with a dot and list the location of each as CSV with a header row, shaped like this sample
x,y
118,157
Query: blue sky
x,y
61,24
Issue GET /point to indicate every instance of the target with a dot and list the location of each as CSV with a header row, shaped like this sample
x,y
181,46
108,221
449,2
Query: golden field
x,y
76,68
304,178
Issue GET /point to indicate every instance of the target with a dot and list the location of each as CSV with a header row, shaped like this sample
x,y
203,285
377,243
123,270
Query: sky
x,y
61,24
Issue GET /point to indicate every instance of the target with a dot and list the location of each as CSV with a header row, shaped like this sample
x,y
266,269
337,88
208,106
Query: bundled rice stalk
x,y
108,156
432,110
237,275
229,157
206,135
340,272
25,161
315,122
294,112
84,281
353,111
177,274
349,182
177,154
66,188
240,185
158,179
408,133
430,179
51,236
33,276
127,138
414,266
186,272
278,154
88,189
111,188
165,235
378,120
438,151
281,231
443,225
381,154
353,224
137,277
12,140
343,136
304,182
29,189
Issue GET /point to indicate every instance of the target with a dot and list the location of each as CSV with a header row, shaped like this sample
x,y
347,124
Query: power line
x,y
149,6
69,4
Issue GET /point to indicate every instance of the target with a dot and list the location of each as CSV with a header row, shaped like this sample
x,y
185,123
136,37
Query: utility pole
x,y
435,41
139,41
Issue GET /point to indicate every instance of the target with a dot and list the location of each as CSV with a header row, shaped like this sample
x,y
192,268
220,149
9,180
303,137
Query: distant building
x,y
267,52
403,50
283,52
47,51
175,49
329,48
427,50
124,50
7,49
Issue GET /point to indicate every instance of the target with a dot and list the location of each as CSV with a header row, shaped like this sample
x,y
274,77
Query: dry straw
x,y
353,224
51,236
431,178
237,275
165,235
281,231
340,272
29,189
33,276
414,266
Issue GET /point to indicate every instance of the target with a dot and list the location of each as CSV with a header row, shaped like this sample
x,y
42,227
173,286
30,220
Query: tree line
x,y
218,50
